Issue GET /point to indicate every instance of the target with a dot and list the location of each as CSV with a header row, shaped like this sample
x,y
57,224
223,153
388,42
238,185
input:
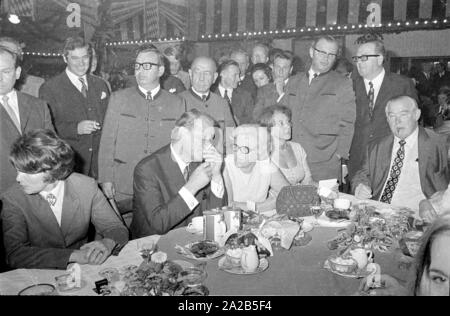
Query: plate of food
x,y
231,267
346,267
201,250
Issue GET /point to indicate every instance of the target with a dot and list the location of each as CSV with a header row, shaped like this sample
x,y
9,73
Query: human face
x,y
402,117
435,279
8,73
196,140
245,150
243,62
260,78
372,67
230,77
78,60
282,127
203,74
174,65
32,183
259,55
442,99
323,55
148,79
282,69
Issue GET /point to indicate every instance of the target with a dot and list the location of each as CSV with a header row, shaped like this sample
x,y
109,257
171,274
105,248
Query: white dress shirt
x,y
216,188
408,191
281,95
75,79
13,103
58,192
311,74
222,91
153,91
377,81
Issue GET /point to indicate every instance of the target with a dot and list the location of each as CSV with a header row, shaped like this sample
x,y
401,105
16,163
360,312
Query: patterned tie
x,y
83,87
11,113
371,96
149,96
396,169
51,199
227,98
186,173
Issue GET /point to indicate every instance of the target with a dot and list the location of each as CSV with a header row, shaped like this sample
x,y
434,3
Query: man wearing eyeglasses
x,y
373,89
137,123
323,110
78,102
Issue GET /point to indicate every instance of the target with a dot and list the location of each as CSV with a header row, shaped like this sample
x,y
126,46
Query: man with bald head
x,y
406,166
372,90
203,73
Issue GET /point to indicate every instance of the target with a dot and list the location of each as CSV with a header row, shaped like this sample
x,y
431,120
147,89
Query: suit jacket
x,y
438,81
32,235
247,84
424,86
433,166
242,105
266,96
172,84
34,114
368,129
69,107
158,208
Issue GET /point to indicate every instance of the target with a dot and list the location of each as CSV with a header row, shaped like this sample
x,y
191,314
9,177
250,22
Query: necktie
x,y
371,96
11,113
204,98
83,87
396,169
186,173
227,98
314,76
51,199
149,96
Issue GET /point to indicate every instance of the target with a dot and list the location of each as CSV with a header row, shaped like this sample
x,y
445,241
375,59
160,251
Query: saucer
x,y
194,231
263,265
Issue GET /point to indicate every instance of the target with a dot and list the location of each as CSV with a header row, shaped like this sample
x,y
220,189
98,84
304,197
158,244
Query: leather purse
x,y
297,200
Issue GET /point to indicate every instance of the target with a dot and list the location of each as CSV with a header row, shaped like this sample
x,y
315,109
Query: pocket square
x,y
104,95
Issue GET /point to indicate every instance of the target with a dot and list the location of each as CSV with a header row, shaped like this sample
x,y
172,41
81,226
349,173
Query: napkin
x,y
286,229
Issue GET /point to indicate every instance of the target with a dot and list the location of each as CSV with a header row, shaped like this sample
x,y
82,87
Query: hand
x,y
363,192
199,178
98,251
108,189
87,127
215,160
390,287
427,211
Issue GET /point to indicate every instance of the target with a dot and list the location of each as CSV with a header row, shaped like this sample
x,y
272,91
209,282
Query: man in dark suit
x,y
47,213
406,166
172,185
78,103
246,82
240,100
371,121
442,77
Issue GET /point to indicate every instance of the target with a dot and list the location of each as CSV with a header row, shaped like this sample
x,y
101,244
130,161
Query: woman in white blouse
x,y
249,174
288,156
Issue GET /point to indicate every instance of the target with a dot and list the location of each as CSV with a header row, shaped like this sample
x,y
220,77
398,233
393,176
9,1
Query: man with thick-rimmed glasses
x,y
323,110
373,89
138,122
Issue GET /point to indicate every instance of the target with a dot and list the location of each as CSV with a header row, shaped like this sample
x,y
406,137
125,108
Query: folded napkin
x,y
286,229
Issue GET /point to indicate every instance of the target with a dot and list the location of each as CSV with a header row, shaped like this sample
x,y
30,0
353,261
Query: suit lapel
x,y
424,154
383,162
171,168
70,88
7,119
70,207
24,111
46,214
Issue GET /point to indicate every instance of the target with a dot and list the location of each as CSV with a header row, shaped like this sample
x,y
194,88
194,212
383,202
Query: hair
x,y
329,39
402,98
263,46
172,51
379,47
73,43
239,51
227,63
266,117
263,67
17,58
284,54
272,53
439,227
146,49
41,150
212,61
187,120
14,46
261,135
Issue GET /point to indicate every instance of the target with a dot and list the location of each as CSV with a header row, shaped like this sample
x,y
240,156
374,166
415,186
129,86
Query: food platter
x,y
355,275
201,250
263,265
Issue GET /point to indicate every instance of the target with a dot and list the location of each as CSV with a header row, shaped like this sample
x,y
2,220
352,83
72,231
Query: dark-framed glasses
x,y
242,149
145,66
362,57
321,53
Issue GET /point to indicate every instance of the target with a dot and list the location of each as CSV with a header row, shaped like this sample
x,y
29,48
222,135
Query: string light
x,y
43,54
165,40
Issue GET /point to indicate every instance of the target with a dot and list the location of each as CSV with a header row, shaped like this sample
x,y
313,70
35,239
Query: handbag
x,y
297,200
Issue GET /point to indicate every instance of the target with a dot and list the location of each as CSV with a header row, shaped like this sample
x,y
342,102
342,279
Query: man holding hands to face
x,y
173,184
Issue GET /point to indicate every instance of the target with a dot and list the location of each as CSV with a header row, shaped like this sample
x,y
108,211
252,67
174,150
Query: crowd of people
x,y
174,144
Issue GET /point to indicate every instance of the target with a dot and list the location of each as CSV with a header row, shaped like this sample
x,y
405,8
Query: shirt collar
x,y
181,164
76,79
56,191
12,96
200,95
154,91
410,140
222,91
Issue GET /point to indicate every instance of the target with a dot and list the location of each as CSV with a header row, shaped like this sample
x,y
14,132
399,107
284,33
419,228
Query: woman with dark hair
x,y
288,156
46,215
432,266
261,74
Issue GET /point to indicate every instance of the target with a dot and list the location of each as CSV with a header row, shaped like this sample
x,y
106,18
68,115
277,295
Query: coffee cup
x,y
196,223
342,204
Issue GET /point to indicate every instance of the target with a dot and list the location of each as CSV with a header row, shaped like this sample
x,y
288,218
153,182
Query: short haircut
x,y
379,47
227,63
263,67
145,49
13,45
266,117
284,54
239,51
328,38
209,59
172,52
402,98
17,59
187,120
73,43
41,150
263,46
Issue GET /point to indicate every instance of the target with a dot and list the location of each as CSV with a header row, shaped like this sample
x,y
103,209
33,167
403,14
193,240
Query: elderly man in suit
x,y
78,104
173,185
137,123
373,89
46,215
323,110
406,166
272,93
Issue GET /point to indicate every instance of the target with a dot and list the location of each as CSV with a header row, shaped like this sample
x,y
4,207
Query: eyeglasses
x,y
242,149
362,57
324,54
146,66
